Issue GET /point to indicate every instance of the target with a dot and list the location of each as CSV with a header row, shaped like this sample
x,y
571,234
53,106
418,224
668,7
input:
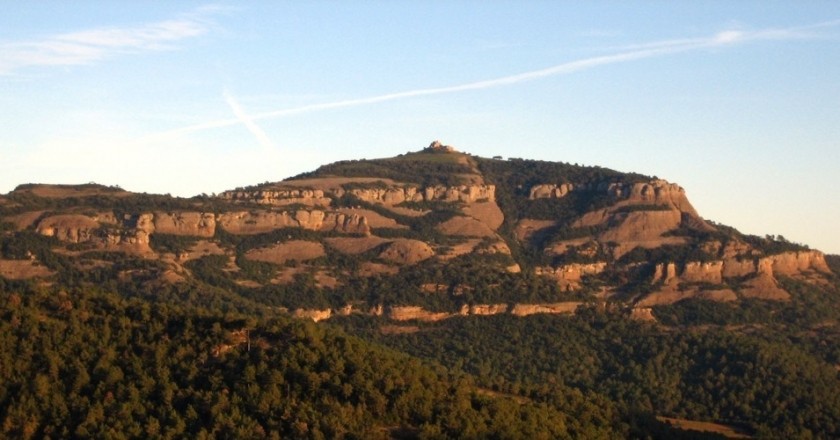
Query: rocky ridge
x,y
620,232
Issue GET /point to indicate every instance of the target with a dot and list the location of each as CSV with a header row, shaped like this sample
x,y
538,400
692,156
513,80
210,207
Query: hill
x,y
472,264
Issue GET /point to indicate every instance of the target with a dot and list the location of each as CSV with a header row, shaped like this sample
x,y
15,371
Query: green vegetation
x,y
83,364
765,382
424,169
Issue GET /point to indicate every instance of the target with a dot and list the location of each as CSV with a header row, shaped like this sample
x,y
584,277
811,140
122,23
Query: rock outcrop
x,y
488,309
550,191
417,313
199,224
569,276
759,276
313,314
397,195
642,314
465,227
299,250
654,192
256,222
714,272
71,228
555,308
407,251
308,197
409,313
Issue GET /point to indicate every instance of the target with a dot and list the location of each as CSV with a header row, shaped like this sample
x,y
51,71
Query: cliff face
x,y
257,222
641,215
417,313
199,224
759,275
397,195
309,197
786,264
655,192
569,276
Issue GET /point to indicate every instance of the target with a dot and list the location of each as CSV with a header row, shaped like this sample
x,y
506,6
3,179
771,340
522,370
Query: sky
x,y
738,102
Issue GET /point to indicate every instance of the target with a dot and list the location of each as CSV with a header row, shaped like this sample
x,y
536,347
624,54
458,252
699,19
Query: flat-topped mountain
x,y
437,232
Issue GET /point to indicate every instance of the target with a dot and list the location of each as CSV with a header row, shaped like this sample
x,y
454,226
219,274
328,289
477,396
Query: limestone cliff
x,y
70,228
256,222
294,196
569,276
397,195
199,224
759,276
654,192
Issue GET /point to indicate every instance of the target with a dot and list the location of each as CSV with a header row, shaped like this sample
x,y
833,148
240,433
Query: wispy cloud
x,y
89,46
629,53
248,122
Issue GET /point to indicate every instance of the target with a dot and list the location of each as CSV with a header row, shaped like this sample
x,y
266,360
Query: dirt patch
x,y
286,275
465,226
23,269
434,288
299,250
405,251
460,249
369,269
172,277
488,213
354,245
251,284
528,227
764,286
670,295
203,248
23,221
65,191
374,219
496,395
325,280
727,431
408,212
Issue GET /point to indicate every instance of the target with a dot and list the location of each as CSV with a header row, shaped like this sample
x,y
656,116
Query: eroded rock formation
x,y
256,222
309,197
569,276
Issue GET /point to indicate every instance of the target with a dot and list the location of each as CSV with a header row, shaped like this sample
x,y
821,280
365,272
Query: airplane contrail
x,y
649,50
248,121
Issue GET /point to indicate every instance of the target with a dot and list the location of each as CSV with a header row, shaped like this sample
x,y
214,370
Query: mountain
x,y
573,234
471,264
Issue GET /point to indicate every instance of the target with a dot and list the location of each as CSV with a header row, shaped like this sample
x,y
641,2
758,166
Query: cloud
x,y
89,46
629,53
246,120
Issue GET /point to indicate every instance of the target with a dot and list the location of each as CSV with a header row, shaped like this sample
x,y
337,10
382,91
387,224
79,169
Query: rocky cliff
x,y
256,222
397,195
753,278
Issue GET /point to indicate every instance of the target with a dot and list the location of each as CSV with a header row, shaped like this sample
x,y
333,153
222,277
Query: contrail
x,y
649,50
248,121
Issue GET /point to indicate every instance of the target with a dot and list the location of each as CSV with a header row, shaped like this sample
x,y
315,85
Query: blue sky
x,y
739,102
